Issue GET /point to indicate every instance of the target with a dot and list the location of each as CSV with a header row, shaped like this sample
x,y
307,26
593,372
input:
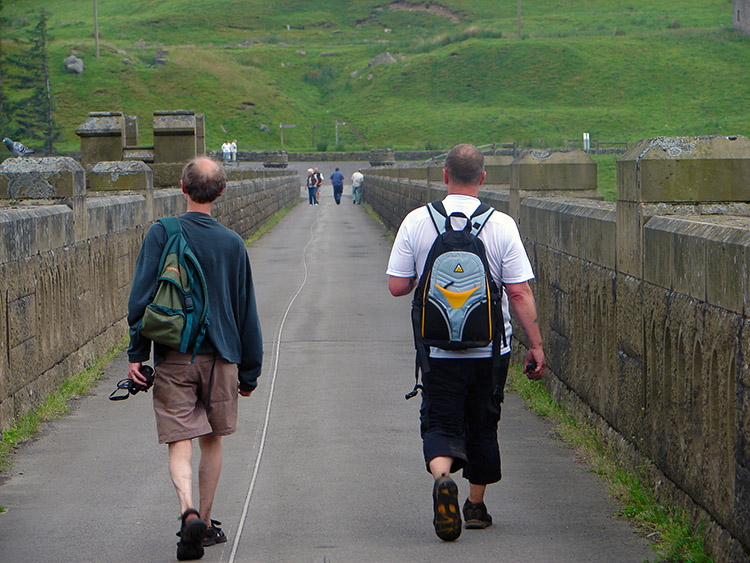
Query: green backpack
x,y
177,316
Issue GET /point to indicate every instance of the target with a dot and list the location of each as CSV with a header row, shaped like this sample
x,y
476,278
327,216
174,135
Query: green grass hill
x,y
621,70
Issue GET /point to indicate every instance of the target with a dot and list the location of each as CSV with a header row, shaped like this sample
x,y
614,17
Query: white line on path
x,y
277,352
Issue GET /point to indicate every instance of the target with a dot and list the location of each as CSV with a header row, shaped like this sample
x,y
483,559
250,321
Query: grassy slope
x,y
452,82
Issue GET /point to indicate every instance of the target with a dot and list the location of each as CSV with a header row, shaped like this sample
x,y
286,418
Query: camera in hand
x,y
132,387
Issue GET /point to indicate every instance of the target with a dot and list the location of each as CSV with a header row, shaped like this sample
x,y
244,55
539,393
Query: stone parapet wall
x,y
65,296
658,360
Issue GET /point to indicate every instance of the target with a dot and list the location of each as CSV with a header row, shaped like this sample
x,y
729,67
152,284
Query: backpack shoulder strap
x,y
171,225
438,214
480,217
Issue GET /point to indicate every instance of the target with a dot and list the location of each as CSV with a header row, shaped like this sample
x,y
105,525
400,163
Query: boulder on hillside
x,y
382,59
73,65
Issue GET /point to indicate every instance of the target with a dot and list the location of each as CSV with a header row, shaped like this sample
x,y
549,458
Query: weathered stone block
x,y
41,178
560,170
741,524
498,169
630,238
685,169
174,136
102,136
381,157
658,243
727,273
25,232
121,175
114,214
167,175
22,320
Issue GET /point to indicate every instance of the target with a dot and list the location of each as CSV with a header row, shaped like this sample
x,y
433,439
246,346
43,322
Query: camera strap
x,y
123,384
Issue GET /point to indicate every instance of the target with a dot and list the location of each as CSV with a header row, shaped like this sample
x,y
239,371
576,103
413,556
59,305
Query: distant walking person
x,y
226,150
357,179
337,179
233,150
312,186
318,183
196,395
463,389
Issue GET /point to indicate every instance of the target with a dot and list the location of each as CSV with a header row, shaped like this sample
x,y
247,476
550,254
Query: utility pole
x,y
96,29
519,20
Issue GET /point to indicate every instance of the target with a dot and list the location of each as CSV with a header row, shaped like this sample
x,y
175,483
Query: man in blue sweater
x,y
337,179
199,399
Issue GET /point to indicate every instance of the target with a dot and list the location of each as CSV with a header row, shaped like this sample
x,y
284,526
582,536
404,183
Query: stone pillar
x,y
498,171
174,145
54,178
131,176
381,157
131,130
546,173
673,175
200,134
174,136
102,137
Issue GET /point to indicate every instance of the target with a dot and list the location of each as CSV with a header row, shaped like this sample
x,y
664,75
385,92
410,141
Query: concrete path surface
x,y
326,465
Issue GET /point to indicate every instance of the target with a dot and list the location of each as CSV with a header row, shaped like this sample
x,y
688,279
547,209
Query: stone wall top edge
x,y
709,227
105,200
587,206
22,213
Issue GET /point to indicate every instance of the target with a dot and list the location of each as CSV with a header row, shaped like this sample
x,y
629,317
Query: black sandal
x,y
214,534
192,532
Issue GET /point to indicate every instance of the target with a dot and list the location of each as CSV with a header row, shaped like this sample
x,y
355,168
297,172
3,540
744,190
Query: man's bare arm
x,y
524,310
401,286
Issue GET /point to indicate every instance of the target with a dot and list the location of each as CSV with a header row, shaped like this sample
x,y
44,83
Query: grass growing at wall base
x,y
667,527
55,405
265,227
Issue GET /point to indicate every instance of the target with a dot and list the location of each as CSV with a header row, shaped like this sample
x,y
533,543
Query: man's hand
x,y
245,393
535,357
134,373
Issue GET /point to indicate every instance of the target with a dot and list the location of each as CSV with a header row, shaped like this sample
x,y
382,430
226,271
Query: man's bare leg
x,y
181,472
476,493
440,466
209,471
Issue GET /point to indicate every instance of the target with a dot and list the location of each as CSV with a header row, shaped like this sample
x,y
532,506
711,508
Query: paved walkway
x,y
326,464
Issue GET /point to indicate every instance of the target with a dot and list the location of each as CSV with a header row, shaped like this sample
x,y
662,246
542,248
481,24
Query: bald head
x,y
465,165
203,179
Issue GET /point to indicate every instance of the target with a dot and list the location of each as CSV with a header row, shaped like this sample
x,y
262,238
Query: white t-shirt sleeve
x,y
401,263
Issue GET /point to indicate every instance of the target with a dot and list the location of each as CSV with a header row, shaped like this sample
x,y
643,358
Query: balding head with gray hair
x,y
465,165
203,179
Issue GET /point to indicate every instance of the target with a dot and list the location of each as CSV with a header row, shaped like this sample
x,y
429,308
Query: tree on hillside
x,y
3,114
32,114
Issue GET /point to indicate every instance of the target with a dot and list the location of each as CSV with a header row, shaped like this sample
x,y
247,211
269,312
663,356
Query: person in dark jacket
x,y
198,399
337,179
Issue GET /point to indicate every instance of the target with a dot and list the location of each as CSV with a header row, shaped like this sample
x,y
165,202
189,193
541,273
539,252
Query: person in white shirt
x,y
357,179
462,393
226,149
233,150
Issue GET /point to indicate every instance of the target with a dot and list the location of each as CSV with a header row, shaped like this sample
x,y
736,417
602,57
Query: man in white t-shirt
x,y
233,150
462,392
357,179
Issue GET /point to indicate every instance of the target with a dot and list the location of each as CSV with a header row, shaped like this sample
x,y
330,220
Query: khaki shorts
x,y
181,392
